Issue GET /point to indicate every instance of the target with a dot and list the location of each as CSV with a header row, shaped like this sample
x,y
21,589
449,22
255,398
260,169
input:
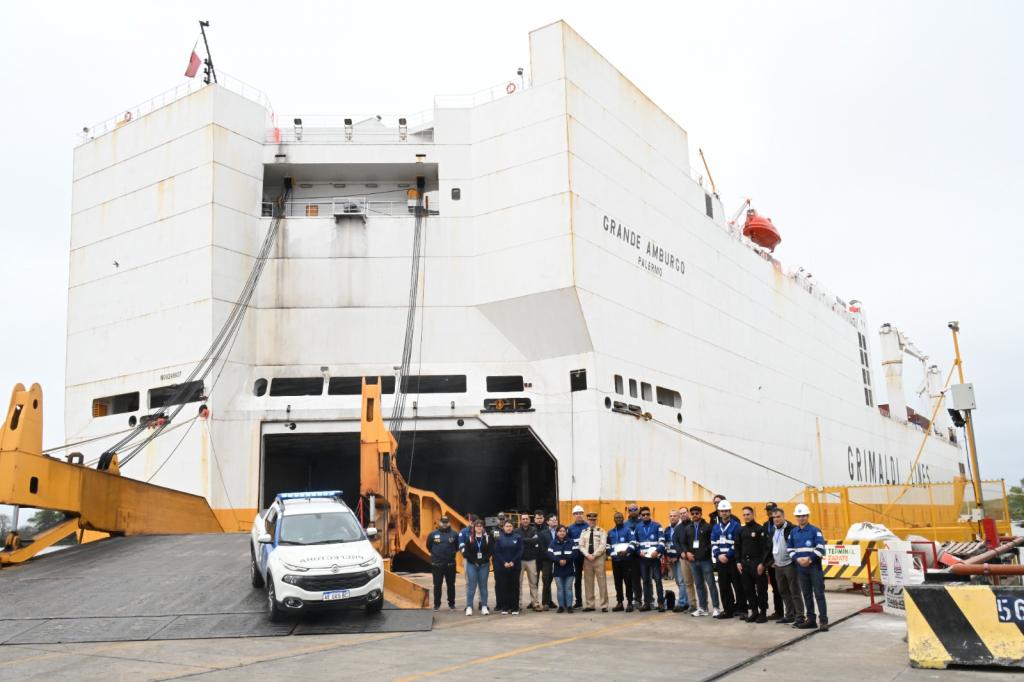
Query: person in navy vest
x,y
443,544
622,548
563,553
650,547
575,530
724,533
508,557
807,548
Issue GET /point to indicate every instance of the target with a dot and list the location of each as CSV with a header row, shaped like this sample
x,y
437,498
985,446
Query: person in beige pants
x,y
593,544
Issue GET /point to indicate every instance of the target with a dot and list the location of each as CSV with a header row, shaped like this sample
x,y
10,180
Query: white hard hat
x,y
577,509
802,510
724,506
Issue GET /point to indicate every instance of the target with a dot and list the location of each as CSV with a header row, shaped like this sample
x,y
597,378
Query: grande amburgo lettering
x,y
651,256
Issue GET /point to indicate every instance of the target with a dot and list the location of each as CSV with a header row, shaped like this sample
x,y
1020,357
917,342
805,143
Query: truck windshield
x,y
320,529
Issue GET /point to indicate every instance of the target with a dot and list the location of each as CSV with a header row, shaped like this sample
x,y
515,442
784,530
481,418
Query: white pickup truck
x,y
311,553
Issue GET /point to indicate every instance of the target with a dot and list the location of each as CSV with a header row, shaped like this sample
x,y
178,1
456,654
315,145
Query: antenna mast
x,y
208,72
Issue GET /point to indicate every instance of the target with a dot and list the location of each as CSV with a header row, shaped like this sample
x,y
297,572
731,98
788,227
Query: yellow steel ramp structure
x,y
91,499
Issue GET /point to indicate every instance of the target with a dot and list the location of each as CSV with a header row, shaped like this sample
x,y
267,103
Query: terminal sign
x,y
650,255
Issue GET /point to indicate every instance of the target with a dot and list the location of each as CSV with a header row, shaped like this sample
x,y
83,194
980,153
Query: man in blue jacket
x,y
807,548
621,548
579,525
724,533
650,548
443,544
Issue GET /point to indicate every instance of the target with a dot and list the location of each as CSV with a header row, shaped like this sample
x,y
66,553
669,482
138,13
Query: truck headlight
x,y
290,567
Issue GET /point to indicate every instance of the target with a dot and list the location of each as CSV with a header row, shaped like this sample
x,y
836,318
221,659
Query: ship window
x,y
578,380
867,377
632,388
115,404
175,394
354,385
618,384
283,386
667,396
259,388
504,383
862,340
434,383
867,397
709,207
645,392
456,193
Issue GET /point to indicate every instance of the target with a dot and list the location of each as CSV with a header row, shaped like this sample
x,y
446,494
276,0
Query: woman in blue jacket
x,y
562,556
508,557
477,553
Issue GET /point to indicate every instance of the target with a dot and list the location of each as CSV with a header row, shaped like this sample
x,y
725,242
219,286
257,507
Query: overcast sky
x,y
882,138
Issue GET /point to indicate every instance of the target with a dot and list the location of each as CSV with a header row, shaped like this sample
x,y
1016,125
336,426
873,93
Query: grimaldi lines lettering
x,y
651,256
868,466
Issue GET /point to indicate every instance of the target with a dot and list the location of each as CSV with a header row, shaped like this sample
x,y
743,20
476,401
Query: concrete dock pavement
x,y
583,646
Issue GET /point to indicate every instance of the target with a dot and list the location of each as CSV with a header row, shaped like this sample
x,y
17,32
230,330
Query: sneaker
x,y
504,613
699,612
798,622
451,607
716,613
561,610
618,607
806,625
437,607
823,625
484,611
469,610
515,613
725,615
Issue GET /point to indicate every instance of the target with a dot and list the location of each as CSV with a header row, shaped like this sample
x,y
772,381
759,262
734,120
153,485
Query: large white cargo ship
x,y
587,323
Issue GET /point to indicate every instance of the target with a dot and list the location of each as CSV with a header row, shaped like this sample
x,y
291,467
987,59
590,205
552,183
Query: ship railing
x,y
338,207
170,96
505,88
417,127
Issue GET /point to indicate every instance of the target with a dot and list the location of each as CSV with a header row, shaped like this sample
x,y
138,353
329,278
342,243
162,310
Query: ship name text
x,y
868,466
650,255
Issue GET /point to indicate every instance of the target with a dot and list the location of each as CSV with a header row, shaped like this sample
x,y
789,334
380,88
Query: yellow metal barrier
x,y
965,625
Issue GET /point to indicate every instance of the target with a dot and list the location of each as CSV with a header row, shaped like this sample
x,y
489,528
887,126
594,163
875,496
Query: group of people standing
x,y
747,557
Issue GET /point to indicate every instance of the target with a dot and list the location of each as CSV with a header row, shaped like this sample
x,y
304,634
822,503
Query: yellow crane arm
x,y
92,499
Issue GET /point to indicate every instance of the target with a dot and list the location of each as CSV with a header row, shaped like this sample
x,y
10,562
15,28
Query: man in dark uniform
x,y
769,528
752,551
443,543
546,536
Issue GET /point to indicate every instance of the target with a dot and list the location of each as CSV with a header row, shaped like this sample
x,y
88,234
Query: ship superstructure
x,y
587,325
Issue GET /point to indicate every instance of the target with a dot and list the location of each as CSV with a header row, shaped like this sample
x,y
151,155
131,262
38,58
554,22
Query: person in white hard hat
x,y
724,534
579,524
806,546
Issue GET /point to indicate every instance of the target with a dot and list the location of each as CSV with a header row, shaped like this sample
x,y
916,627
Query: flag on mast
x,y
193,65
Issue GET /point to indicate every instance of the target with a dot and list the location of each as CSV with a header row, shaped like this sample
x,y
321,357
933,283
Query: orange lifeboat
x,y
760,230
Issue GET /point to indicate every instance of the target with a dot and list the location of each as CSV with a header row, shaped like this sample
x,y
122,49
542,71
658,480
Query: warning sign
x,y
897,568
842,555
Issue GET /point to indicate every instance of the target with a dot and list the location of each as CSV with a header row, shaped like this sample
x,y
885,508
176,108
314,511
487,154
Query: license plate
x,y
336,594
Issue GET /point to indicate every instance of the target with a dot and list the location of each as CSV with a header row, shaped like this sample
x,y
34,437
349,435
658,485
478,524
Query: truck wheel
x,y
274,610
375,606
254,570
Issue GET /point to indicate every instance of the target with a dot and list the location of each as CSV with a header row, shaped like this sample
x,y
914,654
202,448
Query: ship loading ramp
x,y
169,558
